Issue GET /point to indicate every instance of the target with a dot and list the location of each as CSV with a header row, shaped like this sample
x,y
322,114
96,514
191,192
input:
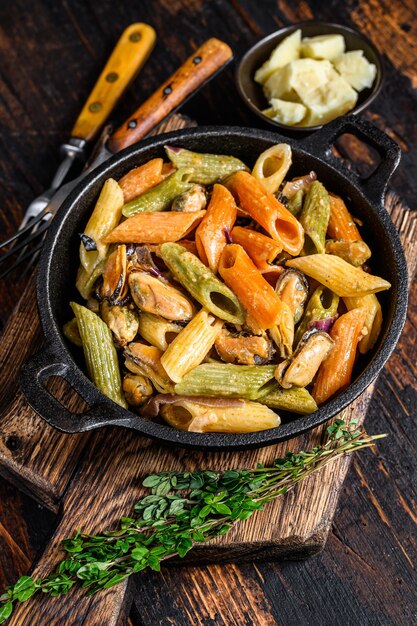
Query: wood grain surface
x,y
366,574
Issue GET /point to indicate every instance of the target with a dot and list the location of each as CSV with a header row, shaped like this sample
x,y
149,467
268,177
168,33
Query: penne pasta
x,y
267,211
141,178
314,218
272,166
157,330
341,224
71,332
207,169
160,197
210,236
373,320
100,353
261,249
253,291
202,284
85,280
227,380
295,204
257,342
155,227
336,372
191,345
146,361
338,275
104,218
296,400
248,417
323,304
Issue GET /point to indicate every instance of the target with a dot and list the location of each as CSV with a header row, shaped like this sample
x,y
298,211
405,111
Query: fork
x,y
128,56
209,59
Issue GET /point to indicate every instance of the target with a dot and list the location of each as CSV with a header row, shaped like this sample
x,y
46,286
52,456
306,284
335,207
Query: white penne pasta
x,y
157,330
191,345
339,275
103,220
373,320
248,417
272,166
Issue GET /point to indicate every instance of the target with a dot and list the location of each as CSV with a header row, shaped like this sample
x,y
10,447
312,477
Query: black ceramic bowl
x,y
59,262
252,94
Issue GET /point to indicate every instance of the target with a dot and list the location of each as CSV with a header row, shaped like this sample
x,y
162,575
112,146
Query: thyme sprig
x,y
183,508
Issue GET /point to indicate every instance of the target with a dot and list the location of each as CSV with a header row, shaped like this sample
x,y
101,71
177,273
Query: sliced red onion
x,y
151,409
324,325
174,149
228,234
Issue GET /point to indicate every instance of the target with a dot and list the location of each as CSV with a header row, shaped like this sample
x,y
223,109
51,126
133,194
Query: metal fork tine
x,y
25,241
33,251
35,229
24,230
33,260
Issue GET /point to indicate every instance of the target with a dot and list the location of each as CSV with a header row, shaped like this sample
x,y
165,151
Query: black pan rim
x,y
163,433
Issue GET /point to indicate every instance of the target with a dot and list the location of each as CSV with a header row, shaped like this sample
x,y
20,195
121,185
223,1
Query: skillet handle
x,y
321,142
33,376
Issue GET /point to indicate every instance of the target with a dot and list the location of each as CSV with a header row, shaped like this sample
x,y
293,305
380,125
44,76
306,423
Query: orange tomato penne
x,y
141,178
336,372
155,227
261,249
210,237
341,224
257,296
267,211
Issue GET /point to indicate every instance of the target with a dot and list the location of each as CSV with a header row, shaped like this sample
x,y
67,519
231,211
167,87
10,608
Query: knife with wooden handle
x,y
197,70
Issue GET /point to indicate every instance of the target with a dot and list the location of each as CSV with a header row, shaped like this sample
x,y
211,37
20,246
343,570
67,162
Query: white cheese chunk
x,y
356,69
286,51
323,47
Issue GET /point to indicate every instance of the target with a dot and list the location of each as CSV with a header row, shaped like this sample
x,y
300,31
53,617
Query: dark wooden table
x,y
50,54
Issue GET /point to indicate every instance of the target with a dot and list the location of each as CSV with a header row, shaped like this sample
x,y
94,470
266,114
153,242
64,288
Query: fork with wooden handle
x,y
128,57
197,70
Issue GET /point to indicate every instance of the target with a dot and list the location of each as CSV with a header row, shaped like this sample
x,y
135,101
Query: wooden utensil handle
x,y
127,58
198,68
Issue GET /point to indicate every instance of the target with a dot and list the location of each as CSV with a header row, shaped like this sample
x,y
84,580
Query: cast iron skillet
x,y
59,261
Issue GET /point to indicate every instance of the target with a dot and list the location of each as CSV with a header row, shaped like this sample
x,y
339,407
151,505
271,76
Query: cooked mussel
x,y
146,361
115,287
292,288
122,321
137,389
243,349
354,252
158,297
194,199
299,371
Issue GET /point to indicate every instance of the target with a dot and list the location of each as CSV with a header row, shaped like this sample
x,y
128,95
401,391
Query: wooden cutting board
x,y
91,480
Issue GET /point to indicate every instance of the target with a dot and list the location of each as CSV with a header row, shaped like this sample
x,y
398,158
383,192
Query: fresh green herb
x,y
183,508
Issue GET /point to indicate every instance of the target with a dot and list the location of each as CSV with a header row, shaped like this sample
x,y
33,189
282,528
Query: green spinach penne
x,y
315,217
226,380
207,169
295,400
159,198
322,305
100,353
202,284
